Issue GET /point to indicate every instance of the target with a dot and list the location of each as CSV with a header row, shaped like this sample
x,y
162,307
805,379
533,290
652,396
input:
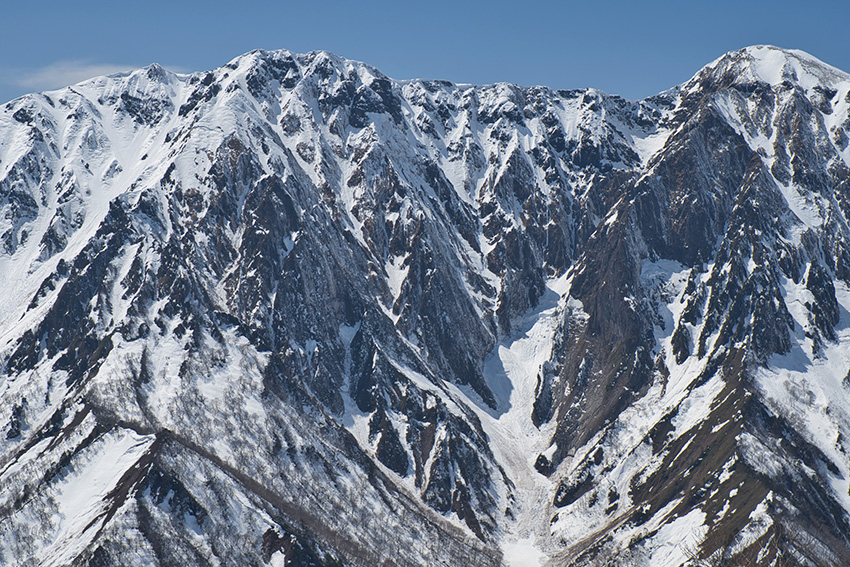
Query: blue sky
x,y
631,48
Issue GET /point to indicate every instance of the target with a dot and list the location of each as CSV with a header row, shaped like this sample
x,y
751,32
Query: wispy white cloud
x,y
61,74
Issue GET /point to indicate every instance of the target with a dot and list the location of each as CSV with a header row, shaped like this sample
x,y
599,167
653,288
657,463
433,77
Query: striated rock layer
x,y
293,312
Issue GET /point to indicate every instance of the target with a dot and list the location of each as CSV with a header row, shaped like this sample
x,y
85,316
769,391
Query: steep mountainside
x,y
293,312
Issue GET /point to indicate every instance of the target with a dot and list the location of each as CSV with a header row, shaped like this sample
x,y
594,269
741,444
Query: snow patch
x,y
81,495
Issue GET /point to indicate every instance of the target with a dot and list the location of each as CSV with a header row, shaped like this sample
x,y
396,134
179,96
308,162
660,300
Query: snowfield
x,y
293,312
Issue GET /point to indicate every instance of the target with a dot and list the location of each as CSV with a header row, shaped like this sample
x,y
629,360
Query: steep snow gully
x,y
293,312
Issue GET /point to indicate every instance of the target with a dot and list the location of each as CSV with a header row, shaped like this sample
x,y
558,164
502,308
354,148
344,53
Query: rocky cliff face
x,y
291,311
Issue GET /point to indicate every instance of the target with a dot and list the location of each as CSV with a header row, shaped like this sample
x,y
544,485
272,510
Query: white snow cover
x,y
81,496
102,155
810,390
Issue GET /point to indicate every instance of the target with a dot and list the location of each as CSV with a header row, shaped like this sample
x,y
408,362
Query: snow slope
x,y
291,311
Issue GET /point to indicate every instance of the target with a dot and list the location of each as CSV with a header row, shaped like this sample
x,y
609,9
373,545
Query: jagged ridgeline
x,y
293,312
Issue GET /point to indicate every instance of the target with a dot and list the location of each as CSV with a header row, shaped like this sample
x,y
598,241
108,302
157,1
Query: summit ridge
x,y
291,311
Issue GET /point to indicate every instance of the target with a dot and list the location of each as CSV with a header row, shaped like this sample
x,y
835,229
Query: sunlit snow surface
x,y
512,372
100,154
81,497
810,389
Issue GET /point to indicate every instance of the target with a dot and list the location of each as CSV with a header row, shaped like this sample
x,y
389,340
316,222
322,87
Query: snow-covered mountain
x,y
293,312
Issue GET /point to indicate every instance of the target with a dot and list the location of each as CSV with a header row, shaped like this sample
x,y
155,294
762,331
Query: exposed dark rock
x,y
359,280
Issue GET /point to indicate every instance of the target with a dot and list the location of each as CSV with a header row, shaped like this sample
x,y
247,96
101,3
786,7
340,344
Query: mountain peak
x,y
774,66
291,311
